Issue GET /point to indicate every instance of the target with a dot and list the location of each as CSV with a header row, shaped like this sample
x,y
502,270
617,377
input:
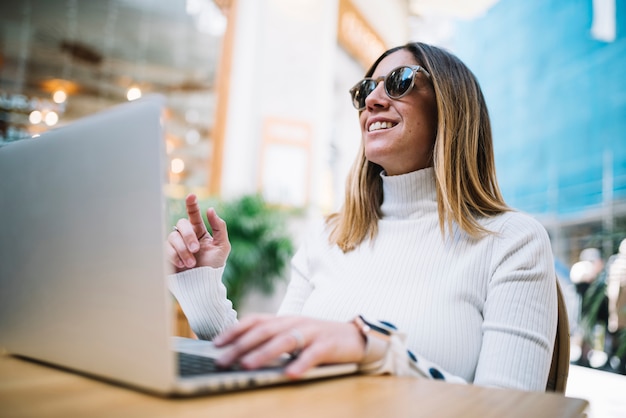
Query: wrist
x,y
376,341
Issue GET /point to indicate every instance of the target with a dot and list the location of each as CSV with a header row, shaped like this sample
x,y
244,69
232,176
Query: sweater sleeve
x,y
202,297
520,311
390,355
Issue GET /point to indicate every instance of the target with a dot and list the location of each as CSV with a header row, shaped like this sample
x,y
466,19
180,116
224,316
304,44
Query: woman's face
x,y
404,140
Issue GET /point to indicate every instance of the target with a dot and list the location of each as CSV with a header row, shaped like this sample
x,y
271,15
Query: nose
x,y
378,97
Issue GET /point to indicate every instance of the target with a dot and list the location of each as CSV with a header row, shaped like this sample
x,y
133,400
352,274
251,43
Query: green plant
x,y
594,309
261,246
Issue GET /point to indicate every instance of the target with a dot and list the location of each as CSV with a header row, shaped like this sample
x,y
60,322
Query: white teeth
x,y
380,125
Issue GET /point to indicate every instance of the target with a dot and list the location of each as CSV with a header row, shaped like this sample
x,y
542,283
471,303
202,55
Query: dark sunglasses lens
x,y
361,92
399,82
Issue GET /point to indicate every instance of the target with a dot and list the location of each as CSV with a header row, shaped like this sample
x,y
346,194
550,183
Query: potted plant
x,y
594,310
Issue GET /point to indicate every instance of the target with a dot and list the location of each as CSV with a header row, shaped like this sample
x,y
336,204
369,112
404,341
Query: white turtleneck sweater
x,y
477,310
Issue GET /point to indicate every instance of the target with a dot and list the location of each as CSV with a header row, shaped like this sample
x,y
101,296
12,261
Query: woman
x,y
423,272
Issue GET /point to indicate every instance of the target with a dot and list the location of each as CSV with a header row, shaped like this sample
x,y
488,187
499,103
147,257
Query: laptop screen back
x,y
82,272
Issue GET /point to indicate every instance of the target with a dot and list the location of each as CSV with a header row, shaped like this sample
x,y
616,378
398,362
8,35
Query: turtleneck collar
x,y
409,195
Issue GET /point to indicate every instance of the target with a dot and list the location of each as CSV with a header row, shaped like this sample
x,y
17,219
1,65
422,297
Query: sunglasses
x,y
398,83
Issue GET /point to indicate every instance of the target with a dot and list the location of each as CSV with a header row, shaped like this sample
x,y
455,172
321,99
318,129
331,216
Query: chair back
x,y
559,369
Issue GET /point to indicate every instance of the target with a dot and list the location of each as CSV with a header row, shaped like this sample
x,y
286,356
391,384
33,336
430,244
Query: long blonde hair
x,y
465,175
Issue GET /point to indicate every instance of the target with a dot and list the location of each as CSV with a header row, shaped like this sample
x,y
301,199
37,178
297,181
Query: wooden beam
x,y
216,162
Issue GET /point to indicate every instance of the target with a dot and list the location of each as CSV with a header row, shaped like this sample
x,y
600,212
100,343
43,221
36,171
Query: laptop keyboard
x,y
192,365
217,378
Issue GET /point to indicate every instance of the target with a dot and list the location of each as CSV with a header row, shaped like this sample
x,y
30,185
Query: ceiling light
x,y
59,96
35,117
207,16
51,118
177,166
133,93
192,137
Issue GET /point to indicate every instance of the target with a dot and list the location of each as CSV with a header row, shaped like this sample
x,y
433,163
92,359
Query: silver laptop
x,y
82,265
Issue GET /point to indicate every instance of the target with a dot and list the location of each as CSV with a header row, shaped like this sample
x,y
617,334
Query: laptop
x,y
83,271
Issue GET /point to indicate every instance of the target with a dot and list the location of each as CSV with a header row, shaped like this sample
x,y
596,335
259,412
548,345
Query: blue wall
x,y
557,99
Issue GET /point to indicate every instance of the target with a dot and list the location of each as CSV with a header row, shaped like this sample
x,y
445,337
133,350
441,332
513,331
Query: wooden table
x,y
29,389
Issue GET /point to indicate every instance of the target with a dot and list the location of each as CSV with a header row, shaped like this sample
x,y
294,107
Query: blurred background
x,y
258,104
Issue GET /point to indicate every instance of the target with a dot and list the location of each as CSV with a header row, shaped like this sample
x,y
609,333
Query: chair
x,y
559,369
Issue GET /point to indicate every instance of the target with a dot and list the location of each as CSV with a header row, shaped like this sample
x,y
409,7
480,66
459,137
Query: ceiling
x,y
95,50
104,47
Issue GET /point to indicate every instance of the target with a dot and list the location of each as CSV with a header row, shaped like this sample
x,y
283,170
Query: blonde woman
x,y
424,271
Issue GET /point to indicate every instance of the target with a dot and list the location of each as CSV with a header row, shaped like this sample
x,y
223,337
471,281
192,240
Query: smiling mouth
x,y
377,126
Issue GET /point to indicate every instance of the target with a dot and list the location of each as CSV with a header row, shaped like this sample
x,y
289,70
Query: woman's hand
x,y
260,339
190,244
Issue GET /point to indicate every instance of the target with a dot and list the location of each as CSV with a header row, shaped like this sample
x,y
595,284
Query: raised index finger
x,y
195,217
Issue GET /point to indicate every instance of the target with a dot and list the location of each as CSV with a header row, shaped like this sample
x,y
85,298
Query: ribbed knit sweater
x,y
480,310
